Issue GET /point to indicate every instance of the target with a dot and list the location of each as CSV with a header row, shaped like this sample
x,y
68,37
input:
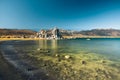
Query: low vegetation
x,y
16,33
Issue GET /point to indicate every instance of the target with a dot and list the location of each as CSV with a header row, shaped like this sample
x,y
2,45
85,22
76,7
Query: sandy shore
x,y
65,37
6,39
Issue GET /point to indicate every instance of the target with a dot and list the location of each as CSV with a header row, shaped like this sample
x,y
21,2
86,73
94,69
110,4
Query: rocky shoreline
x,y
27,71
8,71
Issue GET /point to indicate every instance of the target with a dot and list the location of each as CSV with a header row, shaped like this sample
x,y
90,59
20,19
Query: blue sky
x,y
65,14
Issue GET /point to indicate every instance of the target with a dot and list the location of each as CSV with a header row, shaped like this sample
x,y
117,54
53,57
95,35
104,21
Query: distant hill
x,y
93,32
101,32
16,33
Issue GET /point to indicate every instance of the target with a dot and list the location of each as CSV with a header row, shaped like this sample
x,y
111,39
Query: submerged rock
x,y
38,49
67,56
103,61
83,62
56,55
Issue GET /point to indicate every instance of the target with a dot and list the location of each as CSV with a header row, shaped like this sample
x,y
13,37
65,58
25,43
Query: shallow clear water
x,y
105,63
107,47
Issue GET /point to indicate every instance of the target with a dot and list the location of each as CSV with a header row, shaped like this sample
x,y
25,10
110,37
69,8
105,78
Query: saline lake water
x,y
73,59
109,47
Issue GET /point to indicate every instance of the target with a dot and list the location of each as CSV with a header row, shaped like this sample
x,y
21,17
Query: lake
x,y
104,46
72,59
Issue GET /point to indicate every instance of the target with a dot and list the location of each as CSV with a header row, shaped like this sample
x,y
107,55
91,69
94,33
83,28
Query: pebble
x,y
67,57
38,49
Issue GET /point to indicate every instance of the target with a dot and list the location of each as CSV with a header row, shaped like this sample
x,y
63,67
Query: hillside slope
x,y
16,33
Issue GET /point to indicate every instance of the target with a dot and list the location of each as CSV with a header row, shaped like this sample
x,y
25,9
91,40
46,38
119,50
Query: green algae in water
x,y
88,60
95,67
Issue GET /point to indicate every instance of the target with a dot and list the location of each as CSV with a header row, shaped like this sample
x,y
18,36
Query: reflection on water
x,y
51,45
54,46
43,44
107,47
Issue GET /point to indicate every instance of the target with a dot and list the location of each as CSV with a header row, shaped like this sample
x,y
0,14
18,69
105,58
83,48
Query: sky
x,y
64,14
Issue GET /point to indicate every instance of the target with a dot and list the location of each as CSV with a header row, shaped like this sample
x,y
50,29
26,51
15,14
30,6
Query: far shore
x,y
68,37
64,37
5,39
